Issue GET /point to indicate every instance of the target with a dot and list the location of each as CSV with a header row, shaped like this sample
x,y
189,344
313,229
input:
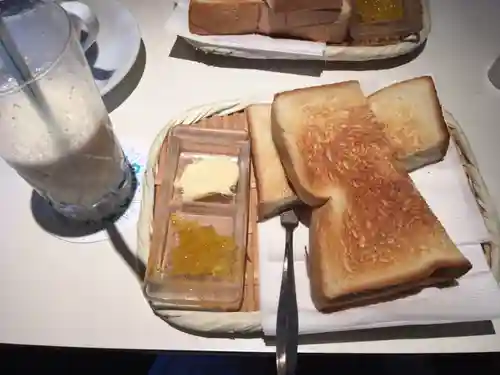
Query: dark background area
x,y
39,360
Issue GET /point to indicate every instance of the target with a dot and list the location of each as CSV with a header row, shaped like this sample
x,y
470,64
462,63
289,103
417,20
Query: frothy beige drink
x,y
81,176
71,155
54,128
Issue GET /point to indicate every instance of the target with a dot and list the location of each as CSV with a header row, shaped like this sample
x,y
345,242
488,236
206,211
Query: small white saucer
x,y
117,45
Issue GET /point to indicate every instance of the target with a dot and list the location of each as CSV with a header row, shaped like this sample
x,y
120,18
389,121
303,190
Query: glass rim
x,y
45,71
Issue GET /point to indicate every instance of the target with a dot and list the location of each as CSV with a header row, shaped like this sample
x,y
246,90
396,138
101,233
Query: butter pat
x,y
205,177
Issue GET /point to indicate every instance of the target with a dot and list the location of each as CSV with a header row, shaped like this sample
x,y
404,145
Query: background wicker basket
x,y
331,53
249,322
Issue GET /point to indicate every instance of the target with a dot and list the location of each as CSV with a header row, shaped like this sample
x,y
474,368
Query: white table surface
x,y
83,295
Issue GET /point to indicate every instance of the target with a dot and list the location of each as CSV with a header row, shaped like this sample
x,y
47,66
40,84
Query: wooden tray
x,y
248,319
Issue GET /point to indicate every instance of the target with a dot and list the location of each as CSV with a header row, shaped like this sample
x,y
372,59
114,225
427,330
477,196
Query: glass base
x,y
111,205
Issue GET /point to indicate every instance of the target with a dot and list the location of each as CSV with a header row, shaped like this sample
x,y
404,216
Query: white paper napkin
x,y
446,189
477,297
178,23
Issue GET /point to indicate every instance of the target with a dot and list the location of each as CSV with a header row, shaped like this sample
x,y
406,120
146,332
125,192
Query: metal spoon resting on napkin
x,y
287,323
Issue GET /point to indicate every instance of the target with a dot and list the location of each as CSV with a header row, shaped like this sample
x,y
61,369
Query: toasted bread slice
x,y
363,252
320,21
413,120
274,192
295,117
376,237
373,236
419,140
281,6
222,17
323,25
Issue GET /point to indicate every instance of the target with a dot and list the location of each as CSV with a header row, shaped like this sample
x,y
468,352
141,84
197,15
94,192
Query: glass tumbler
x,y
54,128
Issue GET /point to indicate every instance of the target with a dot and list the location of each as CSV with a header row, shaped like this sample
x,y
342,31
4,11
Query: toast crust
x,y
274,193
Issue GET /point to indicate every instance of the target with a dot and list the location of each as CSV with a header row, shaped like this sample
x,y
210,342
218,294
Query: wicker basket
x,y
249,322
331,52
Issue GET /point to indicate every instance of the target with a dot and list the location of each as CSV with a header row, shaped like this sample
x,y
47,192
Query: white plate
x,y
117,45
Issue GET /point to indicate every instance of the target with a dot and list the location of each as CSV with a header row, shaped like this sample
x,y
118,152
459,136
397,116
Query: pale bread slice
x,y
414,122
223,17
274,192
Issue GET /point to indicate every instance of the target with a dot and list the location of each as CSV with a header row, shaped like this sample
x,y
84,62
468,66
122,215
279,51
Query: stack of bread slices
x,y
347,157
330,21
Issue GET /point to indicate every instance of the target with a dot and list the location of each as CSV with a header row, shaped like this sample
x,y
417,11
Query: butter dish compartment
x,y
198,249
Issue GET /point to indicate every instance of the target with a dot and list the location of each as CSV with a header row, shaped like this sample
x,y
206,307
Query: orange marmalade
x,y
200,251
380,10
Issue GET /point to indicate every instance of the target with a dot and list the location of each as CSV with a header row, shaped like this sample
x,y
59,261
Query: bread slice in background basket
x,y
262,47
247,322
